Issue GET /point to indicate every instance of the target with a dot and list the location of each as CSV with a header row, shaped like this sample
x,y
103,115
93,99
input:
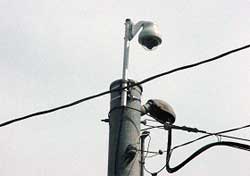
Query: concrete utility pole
x,y
124,134
125,107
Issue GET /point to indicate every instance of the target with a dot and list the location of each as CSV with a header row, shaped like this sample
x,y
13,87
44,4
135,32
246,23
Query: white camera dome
x,y
150,36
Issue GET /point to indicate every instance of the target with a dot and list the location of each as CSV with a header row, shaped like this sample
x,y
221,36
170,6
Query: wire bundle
x,y
170,149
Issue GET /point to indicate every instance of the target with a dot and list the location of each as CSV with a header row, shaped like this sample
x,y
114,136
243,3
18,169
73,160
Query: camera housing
x,y
150,36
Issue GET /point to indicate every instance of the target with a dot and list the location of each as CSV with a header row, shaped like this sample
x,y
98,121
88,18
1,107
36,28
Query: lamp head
x,y
150,36
160,111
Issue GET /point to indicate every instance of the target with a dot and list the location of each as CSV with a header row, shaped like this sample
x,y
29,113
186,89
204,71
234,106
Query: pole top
x,y
118,84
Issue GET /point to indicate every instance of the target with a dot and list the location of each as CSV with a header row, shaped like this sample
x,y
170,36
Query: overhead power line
x,y
170,126
119,89
195,130
53,109
216,134
194,64
198,152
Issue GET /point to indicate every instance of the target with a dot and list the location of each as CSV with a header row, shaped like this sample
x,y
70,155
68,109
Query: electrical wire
x,y
195,130
119,89
170,150
193,65
118,140
151,173
154,173
54,109
198,152
216,134
229,137
147,151
153,155
146,157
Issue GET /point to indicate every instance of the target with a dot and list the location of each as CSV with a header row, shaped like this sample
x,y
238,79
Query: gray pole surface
x,y
124,132
142,161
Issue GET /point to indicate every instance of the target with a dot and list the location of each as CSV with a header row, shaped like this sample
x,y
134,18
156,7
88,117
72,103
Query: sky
x,y
54,52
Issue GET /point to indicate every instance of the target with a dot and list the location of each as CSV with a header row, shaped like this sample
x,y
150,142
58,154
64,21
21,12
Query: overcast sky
x,y
54,52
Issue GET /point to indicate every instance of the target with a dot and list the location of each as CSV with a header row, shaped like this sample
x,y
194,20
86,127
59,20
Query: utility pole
x,y
124,134
125,107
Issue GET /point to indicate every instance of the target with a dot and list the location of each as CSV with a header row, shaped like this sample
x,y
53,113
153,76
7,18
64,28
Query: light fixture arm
x,y
149,37
128,25
134,28
130,31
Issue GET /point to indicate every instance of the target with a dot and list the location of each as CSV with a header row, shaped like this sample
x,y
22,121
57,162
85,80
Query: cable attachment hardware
x,y
105,120
168,126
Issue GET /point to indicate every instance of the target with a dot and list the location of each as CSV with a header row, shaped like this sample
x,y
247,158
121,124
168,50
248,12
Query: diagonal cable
x,y
119,89
214,134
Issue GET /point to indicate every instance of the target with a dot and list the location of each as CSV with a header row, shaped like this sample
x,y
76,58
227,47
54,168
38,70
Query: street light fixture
x,y
149,38
160,110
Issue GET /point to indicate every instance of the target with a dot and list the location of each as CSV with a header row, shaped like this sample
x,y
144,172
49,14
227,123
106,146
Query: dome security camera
x,y
150,36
